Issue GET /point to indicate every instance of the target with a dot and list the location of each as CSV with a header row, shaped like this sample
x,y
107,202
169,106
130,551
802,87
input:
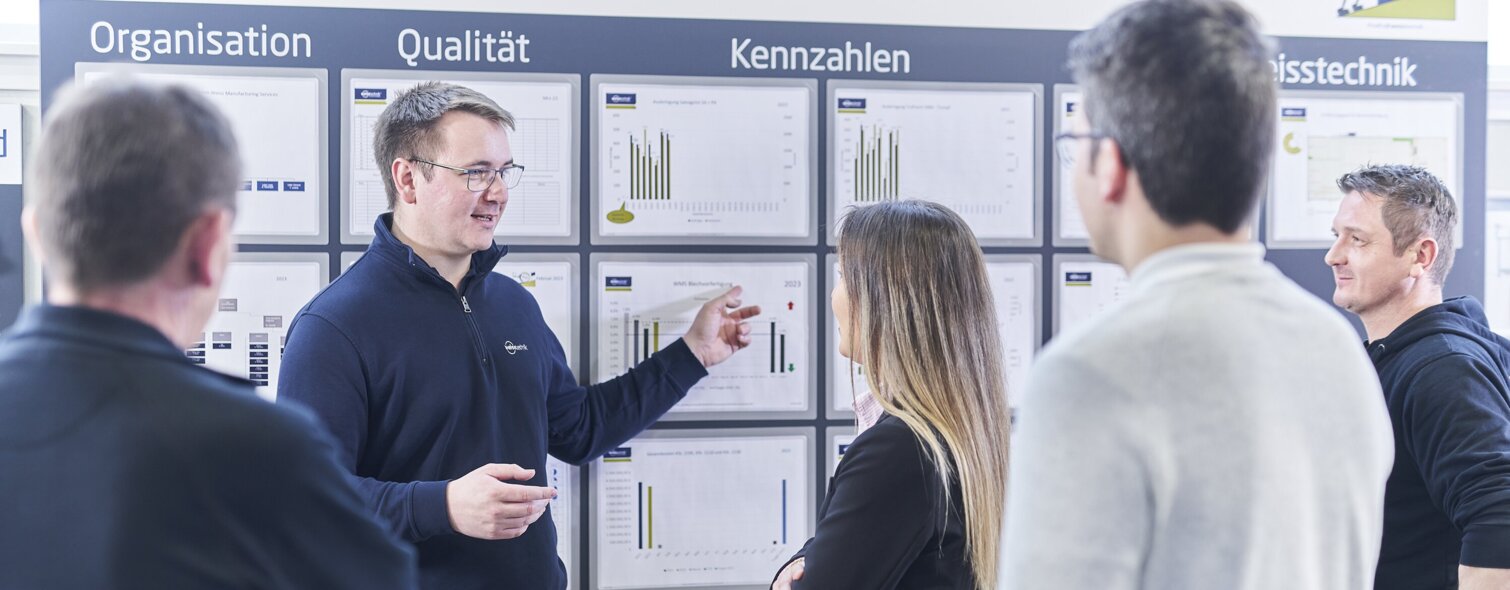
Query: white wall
x,y
1499,29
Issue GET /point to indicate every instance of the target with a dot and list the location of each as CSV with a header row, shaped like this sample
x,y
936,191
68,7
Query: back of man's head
x,y
1414,205
122,169
1186,90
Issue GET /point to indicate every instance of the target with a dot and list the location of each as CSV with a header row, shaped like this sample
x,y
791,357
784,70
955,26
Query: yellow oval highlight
x,y
620,215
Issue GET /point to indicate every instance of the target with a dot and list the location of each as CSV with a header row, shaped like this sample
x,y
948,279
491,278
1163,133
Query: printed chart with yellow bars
x,y
697,158
645,305
663,507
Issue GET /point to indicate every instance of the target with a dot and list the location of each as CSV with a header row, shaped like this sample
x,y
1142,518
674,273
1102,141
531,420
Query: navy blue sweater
x,y
1448,499
421,383
123,465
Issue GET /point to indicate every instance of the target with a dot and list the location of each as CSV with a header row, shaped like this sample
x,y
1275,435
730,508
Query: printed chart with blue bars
x,y
662,504
563,509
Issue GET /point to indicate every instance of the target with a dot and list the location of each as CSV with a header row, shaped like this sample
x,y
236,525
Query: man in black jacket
x,y
1447,502
123,465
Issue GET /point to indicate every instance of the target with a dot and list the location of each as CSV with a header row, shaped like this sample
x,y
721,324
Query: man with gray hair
x,y
126,466
1446,379
440,378
1218,428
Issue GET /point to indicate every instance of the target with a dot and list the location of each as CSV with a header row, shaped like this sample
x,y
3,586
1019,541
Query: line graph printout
x,y
1067,218
1085,288
970,150
1014,284
700,511
550,282
711,160
644,307
542,141
1497,270
245,336
1015,288
563,477
277,122
1322,138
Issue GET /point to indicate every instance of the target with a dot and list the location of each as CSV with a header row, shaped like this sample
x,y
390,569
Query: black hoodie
x,y
1448,499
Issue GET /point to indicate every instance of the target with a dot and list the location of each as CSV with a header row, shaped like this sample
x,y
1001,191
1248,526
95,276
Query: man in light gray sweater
x,y
1219,428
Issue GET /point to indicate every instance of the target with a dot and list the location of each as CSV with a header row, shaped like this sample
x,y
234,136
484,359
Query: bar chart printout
x,y
877,167
973,151
1071,223
564,508
716,161
650,168
700,511
646,306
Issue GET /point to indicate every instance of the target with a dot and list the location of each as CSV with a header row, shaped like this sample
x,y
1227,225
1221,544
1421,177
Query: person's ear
x,y
207,247
1423,257
1110,171
403,180
30,234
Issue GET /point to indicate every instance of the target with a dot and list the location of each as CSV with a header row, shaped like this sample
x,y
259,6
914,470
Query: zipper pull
x,y
466,308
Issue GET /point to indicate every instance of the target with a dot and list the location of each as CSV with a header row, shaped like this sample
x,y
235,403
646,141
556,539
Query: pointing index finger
x,y
745,313
526,493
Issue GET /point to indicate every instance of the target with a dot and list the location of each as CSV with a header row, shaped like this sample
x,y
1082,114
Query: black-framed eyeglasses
x,y
481,179
1066,149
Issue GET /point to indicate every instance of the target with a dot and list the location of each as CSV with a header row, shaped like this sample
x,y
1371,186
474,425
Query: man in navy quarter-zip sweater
x,y
439,378
1447,502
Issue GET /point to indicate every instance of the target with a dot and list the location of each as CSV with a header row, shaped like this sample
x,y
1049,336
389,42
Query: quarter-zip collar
x,y
388,247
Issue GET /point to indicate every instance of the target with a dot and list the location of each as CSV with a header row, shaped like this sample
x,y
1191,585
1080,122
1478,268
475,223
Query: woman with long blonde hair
x,y
917,500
